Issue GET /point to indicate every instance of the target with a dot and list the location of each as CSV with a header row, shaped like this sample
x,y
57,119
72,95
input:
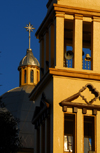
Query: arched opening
x,y
31,76
24,76
37,76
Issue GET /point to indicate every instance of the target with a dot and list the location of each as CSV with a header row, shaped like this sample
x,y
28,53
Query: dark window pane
x,y
69,133
31,76
24,76
88,134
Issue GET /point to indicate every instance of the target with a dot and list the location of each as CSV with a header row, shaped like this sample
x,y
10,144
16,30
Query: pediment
x,y
85,97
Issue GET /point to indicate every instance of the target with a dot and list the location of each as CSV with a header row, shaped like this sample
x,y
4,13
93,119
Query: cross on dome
x,y
29,28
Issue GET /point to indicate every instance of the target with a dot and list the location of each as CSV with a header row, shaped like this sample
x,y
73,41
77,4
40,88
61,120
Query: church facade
x,y
67,98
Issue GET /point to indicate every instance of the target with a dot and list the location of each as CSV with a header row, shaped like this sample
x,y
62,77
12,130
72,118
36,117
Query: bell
x,y
88,57
69,55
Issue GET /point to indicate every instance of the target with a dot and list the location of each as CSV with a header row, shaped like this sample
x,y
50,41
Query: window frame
x,y
31,77
25,76
75,132
95,130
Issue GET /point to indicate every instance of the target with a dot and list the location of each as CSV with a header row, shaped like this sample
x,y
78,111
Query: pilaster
x,y
59,40
51,45
77,41
79,125
96,43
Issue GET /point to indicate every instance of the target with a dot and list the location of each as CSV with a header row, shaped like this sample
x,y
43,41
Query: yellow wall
x,y
91,4
63,88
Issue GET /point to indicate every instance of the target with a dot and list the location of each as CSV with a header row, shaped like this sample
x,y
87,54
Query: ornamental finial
x,y
29,28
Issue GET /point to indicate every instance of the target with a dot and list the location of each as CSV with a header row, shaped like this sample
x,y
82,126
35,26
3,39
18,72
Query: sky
x,y
14,15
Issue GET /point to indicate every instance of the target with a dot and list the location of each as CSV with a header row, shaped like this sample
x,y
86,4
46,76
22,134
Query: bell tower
x,y
67,98
29,67
69,38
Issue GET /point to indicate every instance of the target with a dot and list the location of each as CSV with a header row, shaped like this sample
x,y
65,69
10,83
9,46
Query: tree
x,y
9,138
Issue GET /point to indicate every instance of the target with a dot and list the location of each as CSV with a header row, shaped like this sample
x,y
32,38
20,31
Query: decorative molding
x,y
67,102
25,66
76,10
79,105
60,14
65,73
92,90
64,109
70,10
94,112
75,74
96,19
78,16
75,110
84,111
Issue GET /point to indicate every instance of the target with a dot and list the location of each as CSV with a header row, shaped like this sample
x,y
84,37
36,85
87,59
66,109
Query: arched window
x,y
37,77
24,76
31,76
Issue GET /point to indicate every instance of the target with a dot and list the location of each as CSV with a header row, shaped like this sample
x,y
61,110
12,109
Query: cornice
x,y
60,14
75,74
62,10
78,16
76,10
96,19
31,66
64,73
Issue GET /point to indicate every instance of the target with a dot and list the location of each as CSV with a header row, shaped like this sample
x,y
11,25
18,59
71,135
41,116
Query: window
x,y
31,76
69,133
24,76
37,76
89,142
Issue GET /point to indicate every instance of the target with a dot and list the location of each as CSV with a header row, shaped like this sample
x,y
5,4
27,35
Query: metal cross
x,y
29,28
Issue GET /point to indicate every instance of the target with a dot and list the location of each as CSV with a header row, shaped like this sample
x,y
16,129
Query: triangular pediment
x,y
85,97
88,93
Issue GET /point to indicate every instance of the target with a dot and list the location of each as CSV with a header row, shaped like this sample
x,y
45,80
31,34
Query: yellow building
x,y
67,106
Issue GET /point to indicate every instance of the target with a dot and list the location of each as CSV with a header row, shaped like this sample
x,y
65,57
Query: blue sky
x,y
14,15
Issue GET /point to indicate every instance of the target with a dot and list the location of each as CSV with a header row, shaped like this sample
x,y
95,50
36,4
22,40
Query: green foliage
x,y
9,138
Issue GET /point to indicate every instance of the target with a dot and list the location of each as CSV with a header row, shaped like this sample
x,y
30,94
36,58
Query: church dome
x,y
17,102
29,59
